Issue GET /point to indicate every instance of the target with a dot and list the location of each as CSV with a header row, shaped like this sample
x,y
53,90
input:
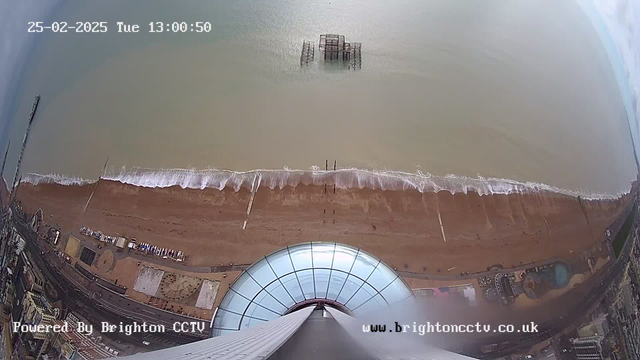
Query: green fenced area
x,y
623,234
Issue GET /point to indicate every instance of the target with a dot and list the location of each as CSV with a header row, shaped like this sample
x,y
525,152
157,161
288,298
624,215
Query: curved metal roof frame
x,y
339,275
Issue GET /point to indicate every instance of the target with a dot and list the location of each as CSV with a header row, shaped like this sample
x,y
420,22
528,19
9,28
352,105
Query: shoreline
x,y
344,179
403,228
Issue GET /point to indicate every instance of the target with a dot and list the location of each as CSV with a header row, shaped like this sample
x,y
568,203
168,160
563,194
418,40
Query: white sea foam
x,y
342,178
36,179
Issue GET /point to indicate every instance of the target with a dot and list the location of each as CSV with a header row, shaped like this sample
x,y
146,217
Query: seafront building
x,y
588,348
72,345
36,311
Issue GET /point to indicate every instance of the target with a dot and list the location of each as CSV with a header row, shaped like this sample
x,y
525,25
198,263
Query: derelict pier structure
x,y
333,47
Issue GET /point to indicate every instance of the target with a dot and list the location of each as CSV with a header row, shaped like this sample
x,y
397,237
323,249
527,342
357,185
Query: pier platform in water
x,y
333,47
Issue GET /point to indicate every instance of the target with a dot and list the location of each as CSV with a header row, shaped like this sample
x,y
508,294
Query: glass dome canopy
x,y
333,273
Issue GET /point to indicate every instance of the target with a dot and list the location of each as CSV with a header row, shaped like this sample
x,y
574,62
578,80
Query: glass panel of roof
x,y
234,302
256,311
306,281
382,277
267,300
336,281
279,292
364,265
363,294
375,303
396,291
291,284
227,320
344,258
261,272
248,322
351,285
307,271
323,254
280,262
301,256
246,286
322,282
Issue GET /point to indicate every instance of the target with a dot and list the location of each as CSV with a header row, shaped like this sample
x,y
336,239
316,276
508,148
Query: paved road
x,y
241,267
472,276
406,274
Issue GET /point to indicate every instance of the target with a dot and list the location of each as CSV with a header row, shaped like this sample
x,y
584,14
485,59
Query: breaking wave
x,y
342,178
37,179
351,178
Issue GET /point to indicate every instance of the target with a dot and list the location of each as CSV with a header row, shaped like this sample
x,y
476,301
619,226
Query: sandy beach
x,y
400,227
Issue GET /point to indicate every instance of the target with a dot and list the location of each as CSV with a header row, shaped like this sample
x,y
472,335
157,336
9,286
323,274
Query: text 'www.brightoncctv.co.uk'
x,y
437,327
